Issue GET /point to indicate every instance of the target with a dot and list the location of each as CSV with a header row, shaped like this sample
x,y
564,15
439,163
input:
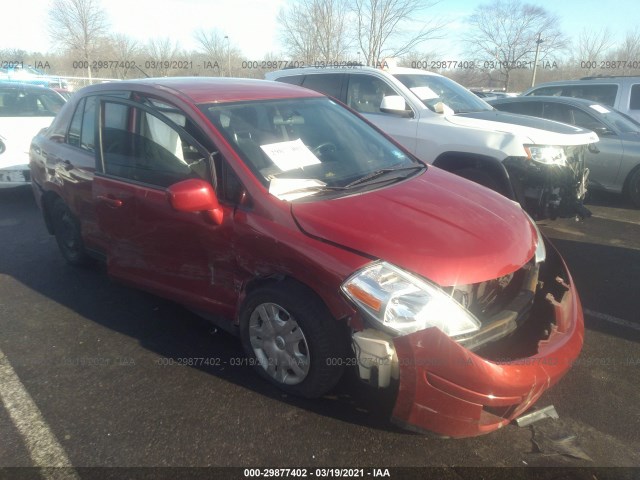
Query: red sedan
x,y
282,216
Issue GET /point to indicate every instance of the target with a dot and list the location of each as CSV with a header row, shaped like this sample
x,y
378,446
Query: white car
x,y
538,162
24,111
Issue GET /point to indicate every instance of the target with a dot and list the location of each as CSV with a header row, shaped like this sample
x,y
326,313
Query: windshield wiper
x,y
380,173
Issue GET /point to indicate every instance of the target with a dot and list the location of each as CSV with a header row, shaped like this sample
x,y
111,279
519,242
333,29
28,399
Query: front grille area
x,y
503,306
536,320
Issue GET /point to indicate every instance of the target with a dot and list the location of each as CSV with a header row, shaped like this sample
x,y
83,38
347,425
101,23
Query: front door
x,y
149,244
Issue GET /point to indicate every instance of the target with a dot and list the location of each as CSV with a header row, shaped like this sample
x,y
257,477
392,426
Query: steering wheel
x,y
324,147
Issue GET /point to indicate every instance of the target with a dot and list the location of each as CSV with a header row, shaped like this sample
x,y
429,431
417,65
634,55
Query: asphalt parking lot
x,y
91,374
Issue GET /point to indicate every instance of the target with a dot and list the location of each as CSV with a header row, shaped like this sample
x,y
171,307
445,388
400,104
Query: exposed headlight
x,y
402,303
541,250
549,155
2,146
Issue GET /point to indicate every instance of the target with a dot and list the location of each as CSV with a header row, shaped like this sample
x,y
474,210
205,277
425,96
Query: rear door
x,y
142,152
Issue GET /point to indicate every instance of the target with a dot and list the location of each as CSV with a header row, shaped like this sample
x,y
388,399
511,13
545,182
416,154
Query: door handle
x,y
593,149
112,202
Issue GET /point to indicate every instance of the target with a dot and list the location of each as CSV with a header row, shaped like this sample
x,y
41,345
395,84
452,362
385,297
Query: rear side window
x,y
293,79
634,103
87,136
605,94
73,135
327,83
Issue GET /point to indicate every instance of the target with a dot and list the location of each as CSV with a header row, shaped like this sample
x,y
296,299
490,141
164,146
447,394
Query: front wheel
x,y
633,187
292,339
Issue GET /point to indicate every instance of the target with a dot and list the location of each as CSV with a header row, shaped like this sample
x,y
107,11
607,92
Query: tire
x,y
292,340
66,229
633,187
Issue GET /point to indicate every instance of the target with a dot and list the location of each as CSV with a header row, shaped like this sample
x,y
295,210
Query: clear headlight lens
x,y
402,303
546,154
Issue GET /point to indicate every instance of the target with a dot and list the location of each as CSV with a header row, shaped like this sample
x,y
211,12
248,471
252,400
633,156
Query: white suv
x,y
537,162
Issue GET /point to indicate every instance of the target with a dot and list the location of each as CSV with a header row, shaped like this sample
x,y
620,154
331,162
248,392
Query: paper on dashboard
x,y
292,188
290,155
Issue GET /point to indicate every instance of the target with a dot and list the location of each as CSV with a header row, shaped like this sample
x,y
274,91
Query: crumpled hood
x,y
538,130
443,227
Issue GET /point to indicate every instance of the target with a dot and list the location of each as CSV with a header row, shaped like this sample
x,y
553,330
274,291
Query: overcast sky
x,y
251,24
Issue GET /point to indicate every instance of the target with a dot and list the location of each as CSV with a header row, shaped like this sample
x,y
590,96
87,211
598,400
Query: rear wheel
x,y
66,229
292,340
633,187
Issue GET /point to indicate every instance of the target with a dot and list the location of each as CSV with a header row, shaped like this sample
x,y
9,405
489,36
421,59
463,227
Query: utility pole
x,y
226,37
535,62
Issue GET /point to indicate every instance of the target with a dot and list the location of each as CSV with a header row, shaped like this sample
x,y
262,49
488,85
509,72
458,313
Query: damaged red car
x,y
284,217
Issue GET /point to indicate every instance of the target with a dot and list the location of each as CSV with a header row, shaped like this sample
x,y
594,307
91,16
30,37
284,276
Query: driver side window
x,y
139,146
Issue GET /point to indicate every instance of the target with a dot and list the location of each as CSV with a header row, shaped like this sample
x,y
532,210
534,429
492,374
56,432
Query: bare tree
x,y
162,54
380,24
591,47
628,53
124,51
218,50
504,33
315,30
78,25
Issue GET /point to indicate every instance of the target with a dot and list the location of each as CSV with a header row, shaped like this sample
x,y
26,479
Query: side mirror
x,y
395,104
195,195
603,131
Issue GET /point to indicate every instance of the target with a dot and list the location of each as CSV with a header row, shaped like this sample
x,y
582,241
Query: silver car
x,y
614,162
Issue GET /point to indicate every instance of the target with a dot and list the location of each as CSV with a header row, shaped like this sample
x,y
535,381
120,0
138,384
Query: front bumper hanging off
x,y
452,391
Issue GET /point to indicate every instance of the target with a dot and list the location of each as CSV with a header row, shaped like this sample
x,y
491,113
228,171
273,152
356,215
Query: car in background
x,y
487,95
614,162
31,75
287,219
24,110
619,92
538,163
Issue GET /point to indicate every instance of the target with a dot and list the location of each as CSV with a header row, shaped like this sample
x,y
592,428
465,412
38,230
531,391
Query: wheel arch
x,y
627,182
258,282
456,161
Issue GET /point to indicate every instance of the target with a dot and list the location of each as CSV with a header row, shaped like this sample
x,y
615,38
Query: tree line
x,y
500,44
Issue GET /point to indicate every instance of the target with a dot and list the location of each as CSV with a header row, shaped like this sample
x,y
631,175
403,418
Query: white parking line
x,y
611,319
44,449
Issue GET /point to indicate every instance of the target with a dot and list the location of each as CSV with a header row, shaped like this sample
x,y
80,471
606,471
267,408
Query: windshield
x,y
307,146
622,122
431,89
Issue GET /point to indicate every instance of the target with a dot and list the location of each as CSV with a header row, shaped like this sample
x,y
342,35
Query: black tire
x,y
315,344
66,229
633,187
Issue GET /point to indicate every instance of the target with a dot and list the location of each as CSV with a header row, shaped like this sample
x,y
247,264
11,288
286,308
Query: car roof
x,y
22,85
288,72
604,80
211,89
583,102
